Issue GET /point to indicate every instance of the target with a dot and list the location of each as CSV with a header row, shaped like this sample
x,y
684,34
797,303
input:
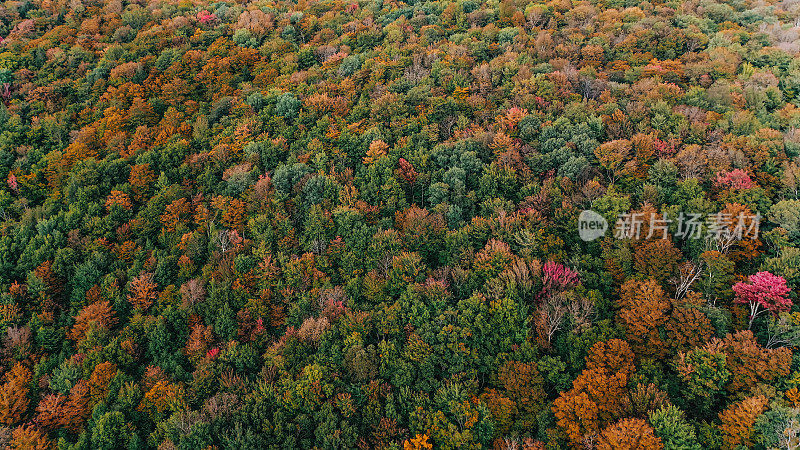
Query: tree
x,y
782,331
791,179
687,327
629,434
734,179
233,211
503,410
657,259
49,410
599,395
199,340
557,278
111,431
703,374
98,314
739,238
549,318
28,437
612,356
418,442
421,231
14,394
750,363
763,292
669,423
407,171
377,150
77,408
613,156
523,384
142,291
692,161
118,198
786,214
192,292
778,427
287,106
142,181
99,381
718,277
738,420
53,285
175,214
492,260
162,399
643,312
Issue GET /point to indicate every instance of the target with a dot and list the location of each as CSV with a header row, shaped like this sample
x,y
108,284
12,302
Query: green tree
x,y
669,423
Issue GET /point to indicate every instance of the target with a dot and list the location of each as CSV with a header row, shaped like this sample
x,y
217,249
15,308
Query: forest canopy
x,y
431,224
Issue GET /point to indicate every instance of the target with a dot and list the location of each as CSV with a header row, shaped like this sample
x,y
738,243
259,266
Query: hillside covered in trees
x,y
355,224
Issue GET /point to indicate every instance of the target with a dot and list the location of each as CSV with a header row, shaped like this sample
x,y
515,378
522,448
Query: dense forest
x,y
355,224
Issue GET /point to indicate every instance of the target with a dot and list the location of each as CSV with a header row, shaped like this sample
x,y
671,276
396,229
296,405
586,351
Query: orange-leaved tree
x,y
77,408
49,411
142,180
99,381
599,395
98,314
750,363
738,420
644,309
14,394
28,437
142,291
629,434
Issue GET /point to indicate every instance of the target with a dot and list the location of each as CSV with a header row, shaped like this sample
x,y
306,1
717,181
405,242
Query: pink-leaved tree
x,y
557,278
735,179
763,292
12,182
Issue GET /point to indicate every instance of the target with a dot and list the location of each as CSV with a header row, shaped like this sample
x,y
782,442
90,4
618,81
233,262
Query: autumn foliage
x,y
599,395
381,225
14,391
629,434
142,291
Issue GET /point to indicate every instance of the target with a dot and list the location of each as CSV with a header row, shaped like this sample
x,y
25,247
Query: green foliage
x,y
287,106
703,375
669,423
